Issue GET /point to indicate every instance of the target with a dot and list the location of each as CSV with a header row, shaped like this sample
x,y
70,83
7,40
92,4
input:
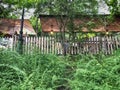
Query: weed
x,y
50,72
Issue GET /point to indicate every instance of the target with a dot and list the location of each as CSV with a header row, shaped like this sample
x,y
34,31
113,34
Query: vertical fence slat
x,y
50,44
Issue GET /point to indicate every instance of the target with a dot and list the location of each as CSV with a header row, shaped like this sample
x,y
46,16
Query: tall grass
x,y
51,72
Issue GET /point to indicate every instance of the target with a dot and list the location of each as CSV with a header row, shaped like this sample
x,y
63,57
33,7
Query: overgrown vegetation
x,y
50,72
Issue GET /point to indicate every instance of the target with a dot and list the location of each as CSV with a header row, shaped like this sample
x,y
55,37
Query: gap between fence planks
x,y
46,45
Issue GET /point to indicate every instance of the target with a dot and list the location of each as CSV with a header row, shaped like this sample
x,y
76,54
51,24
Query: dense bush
x,y
50,72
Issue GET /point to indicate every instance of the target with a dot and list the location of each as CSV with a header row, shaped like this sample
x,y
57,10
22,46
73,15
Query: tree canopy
x,y
10,8
114,6
67,7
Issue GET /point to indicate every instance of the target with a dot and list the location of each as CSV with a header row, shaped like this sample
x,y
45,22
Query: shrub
x,y
51,72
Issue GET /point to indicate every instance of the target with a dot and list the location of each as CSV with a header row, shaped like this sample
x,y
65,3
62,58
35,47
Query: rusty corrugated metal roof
x,y
10,26
50,22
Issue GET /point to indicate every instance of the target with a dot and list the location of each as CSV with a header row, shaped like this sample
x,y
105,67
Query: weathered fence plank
x,y
46,45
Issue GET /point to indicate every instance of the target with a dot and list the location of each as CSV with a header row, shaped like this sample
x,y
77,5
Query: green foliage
x,y
36,24
31,71
114,6
12,8
50,72
90,25
82,36
67,7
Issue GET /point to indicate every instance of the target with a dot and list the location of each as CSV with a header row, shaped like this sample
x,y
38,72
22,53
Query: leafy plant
x,y
51,72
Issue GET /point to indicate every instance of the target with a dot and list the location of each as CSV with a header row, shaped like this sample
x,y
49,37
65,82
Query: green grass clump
x,y
51,72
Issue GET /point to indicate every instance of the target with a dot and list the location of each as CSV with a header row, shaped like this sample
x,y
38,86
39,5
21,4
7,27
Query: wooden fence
x,y
46,45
